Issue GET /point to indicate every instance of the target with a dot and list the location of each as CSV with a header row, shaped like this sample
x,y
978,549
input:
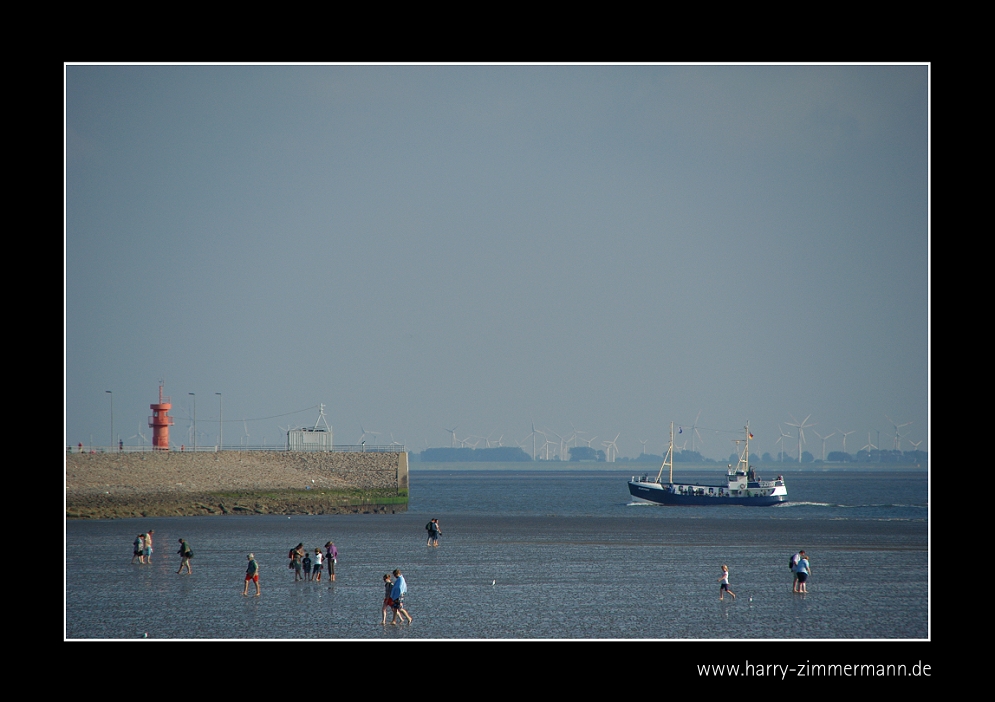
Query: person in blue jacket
x,y
397,595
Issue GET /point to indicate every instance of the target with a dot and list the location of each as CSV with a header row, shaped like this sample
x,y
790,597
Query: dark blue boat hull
x,y
645,493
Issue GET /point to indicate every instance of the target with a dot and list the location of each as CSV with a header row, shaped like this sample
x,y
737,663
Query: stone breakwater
x,y
233,482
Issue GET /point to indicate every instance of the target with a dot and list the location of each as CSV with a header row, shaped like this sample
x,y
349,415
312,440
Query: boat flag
x,y
751,434
680,430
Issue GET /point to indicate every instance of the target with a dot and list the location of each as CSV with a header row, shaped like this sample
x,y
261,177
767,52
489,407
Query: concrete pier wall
x,y
118,484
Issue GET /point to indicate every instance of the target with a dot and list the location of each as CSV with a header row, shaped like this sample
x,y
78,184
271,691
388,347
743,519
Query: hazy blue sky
x,y
605,248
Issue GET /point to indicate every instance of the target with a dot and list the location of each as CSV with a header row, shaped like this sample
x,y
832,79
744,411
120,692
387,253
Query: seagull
x,y
494,582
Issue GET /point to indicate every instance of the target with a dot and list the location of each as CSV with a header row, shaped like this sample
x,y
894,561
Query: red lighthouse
x,y
160,421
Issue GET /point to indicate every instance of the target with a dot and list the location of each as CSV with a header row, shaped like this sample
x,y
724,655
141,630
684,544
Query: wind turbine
x,y
565,446
453,432
561,443
823,443
694,432
533,435
612,448
802,426
573,438
374,434
869,445
545,446
781,441
898,437
844,433
141,436
643,442
286,435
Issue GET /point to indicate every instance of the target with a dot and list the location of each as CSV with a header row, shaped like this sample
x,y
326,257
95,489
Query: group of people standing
x,y
799,565
143,551
143,547
307,568
433,533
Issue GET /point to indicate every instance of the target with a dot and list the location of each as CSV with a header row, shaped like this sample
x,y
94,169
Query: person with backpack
x,y
251,573
433,533
793,565
185,555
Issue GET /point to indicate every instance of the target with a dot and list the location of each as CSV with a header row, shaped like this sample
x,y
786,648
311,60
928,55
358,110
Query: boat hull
x,y
658,494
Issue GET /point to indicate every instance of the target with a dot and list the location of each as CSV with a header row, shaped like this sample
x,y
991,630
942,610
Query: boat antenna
x,y
669,458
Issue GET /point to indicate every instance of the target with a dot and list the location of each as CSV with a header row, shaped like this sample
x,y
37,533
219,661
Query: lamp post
x,y
194,396
112,418
221,424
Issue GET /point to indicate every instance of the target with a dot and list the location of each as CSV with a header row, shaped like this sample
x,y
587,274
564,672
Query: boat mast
x,y
745,458
669,458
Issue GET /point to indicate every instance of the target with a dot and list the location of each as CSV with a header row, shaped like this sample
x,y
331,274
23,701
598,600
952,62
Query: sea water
x,y
554,554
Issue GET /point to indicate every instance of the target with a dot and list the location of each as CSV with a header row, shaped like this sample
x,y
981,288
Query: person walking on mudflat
x,y
397,595
185,555
433,533
251,573
388,602
139,547
724,583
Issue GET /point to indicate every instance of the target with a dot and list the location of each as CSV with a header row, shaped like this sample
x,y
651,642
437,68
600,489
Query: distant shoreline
x,y
632,467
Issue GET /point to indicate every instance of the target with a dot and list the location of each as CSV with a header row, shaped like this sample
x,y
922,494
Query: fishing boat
x,y
742,487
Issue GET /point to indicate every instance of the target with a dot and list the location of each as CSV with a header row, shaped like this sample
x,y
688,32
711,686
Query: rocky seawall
x,y
154,484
